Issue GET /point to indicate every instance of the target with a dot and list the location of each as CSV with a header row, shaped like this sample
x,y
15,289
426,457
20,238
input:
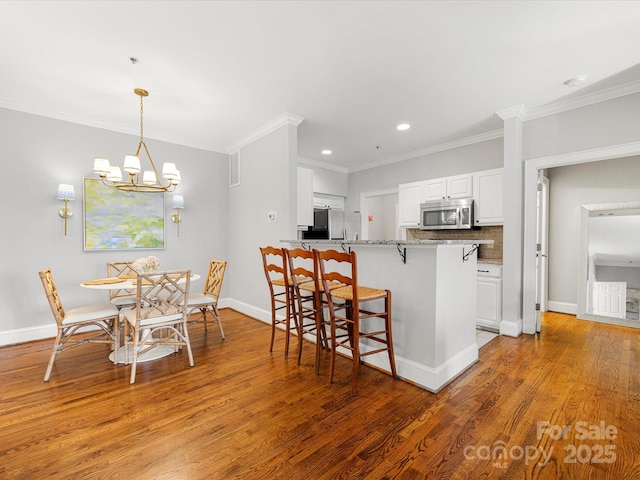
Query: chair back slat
x,y
213,284
275,264
52,295
162,294
333,263
120,269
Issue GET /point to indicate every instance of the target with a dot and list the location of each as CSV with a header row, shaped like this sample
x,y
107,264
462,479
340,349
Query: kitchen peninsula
x,y
433,287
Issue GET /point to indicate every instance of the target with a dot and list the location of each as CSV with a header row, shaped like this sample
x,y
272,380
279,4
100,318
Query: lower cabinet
x,y
489,298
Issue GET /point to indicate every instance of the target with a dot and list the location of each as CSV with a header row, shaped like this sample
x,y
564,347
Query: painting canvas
x,y
117,220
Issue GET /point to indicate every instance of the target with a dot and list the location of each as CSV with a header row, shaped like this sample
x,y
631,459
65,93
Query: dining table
x,y
129,282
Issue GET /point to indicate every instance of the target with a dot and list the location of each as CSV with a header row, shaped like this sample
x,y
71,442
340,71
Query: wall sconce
x,y
65,193
178,204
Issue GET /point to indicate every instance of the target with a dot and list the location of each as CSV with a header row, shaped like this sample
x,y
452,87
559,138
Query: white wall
x,y
470,158
613,122
267,183
610,181
38,153
631,275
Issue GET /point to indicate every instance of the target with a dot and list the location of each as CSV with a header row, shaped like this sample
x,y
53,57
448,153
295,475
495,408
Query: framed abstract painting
x,y
118,220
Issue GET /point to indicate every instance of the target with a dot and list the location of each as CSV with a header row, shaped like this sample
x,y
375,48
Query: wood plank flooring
x,y
242,413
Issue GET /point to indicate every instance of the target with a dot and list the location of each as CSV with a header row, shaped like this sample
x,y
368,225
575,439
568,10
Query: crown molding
x,y
584,100
482,137
517,111
267,128
327,166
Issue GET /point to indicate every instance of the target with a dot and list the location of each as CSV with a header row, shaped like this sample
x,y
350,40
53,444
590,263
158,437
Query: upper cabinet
x,y
409,198
484,187
305,196
334,202
487,193
448,188
329,182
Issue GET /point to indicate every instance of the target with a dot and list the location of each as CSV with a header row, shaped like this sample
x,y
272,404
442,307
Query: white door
x,y
542,240
610,299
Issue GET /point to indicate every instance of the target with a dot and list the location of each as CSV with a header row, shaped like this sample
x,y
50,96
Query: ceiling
x,y
218,71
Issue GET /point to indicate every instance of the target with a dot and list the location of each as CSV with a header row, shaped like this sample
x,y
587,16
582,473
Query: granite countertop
x,y
393,242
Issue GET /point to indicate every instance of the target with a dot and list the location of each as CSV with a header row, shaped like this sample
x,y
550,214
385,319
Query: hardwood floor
x,y
241,413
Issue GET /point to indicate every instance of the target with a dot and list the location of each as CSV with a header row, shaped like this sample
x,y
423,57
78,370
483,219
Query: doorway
x,y
531,173
379,211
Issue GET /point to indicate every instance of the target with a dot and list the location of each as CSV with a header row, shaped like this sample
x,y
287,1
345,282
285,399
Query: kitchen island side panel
x,y
413,293
455,329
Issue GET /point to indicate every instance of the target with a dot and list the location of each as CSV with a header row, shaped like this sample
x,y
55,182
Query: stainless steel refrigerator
x,y
327,225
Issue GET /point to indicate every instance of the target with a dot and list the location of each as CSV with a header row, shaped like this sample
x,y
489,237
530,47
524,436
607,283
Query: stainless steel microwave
x,y
447,215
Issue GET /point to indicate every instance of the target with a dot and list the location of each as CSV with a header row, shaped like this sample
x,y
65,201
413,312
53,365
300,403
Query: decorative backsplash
x,y
488,252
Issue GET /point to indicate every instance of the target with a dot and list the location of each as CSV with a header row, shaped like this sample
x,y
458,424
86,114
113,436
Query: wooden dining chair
x,y
351,323
70,322
125,297
276,271
160,315
307,294
208,299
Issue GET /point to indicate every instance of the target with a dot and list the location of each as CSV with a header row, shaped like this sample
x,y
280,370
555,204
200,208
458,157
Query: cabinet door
x,y
488,197
489,302
305,196
434,189
334,202
460,186
409,204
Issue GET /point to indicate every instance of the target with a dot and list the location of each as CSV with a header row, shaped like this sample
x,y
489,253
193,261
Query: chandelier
x,y
112,176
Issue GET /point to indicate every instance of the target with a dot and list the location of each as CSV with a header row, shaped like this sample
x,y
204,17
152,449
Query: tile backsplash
x,y
488,252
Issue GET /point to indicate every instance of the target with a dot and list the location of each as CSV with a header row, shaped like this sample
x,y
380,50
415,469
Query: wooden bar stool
x,y
276,270
349,320
307,293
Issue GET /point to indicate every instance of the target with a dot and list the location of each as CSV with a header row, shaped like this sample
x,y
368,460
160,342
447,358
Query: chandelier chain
x,y
141,123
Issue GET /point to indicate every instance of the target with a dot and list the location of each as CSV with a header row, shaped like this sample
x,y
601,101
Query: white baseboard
x,y
563,307
432,379
511,328
22,335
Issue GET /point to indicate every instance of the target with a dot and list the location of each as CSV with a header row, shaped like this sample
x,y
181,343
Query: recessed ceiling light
x,y
575,81
326,152
403,126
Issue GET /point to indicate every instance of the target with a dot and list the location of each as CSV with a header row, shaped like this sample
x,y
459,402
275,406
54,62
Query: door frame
x,y
531,168
364,212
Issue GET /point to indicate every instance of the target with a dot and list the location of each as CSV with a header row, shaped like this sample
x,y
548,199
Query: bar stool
x,y
276,271
307,294
347,314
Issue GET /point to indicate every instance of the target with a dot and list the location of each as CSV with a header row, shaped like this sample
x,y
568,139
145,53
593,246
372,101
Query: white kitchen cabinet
x,y
409,197
448,188
334,202
305,196
489,297
487,193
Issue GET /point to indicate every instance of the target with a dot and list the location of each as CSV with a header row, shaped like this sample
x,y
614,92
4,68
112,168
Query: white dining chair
x,y
121,298
73,321
208,299
159,316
